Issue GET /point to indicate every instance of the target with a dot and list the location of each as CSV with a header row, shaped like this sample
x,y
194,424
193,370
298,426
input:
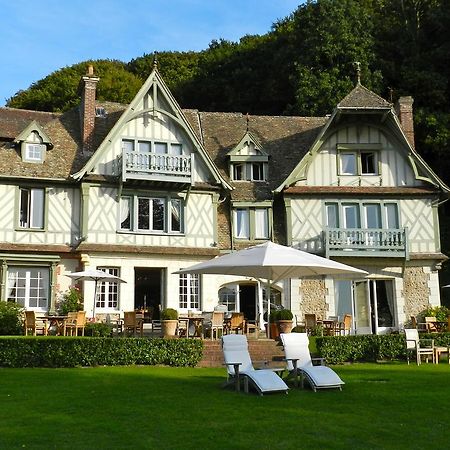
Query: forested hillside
x,y
304,65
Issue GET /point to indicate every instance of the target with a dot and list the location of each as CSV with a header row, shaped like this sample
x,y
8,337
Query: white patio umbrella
x,y
273,262
97,276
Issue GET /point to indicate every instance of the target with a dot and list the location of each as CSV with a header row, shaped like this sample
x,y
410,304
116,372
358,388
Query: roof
x,y
285,139
361,97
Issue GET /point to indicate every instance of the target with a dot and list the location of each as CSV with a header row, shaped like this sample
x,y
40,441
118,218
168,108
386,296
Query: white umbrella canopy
x,y
97,276
273,262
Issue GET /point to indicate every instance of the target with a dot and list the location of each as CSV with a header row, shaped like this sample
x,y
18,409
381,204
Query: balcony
x,y
366,242
157,167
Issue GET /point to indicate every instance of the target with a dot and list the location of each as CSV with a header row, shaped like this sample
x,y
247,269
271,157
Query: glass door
x,y
374,306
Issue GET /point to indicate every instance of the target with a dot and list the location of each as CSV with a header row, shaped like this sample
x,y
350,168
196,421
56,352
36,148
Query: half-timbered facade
x,y
144,189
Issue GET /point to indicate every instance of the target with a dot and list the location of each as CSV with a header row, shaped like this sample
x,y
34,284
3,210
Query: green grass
x,y
382,406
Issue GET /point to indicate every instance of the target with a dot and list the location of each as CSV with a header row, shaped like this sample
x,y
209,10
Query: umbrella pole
x,y
95,299
268,307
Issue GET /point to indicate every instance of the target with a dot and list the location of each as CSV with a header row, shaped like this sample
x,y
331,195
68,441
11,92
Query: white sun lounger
x,y
299,362
240,367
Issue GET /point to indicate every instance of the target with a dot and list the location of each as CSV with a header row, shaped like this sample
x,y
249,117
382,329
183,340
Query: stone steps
x,y
260,350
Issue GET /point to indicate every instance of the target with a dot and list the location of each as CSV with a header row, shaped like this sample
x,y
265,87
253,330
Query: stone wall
x,y
415,290
313,294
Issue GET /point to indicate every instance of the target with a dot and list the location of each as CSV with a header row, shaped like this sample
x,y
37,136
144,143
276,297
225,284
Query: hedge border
x,y
341,349
56,351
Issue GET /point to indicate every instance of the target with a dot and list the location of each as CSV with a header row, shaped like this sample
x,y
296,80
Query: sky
x,y
38,37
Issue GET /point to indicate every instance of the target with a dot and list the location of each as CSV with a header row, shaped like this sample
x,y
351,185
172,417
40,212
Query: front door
x,y
374,306
148,290
247,299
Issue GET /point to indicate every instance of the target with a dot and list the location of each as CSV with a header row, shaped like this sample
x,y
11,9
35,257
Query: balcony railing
x,y
157,167
366,242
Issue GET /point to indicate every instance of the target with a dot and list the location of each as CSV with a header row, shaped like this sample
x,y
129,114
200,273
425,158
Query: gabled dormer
x,y
248,161
34,143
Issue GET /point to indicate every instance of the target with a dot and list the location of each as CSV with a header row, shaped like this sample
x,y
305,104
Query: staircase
x,y
260,350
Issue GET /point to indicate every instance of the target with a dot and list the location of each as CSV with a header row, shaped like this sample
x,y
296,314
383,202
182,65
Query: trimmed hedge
x,y
340,349
56,351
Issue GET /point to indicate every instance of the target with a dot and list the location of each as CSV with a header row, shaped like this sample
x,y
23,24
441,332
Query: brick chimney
x,y
404,110
87,109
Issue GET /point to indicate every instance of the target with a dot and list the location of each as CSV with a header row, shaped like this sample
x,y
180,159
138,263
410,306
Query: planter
x,y
169,328
274,333
285,326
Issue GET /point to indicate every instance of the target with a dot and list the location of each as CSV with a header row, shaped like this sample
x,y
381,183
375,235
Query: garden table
x,y
56,322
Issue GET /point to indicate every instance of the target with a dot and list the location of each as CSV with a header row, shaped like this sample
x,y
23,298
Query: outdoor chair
x,y
76,320
240,368
431,326
252,327
132,323
34,324
310,323
344,327
300,363
420,347
237,323
214,324
421,326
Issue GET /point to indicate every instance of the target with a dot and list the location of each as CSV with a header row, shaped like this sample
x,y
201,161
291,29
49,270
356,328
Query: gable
x,y
152,120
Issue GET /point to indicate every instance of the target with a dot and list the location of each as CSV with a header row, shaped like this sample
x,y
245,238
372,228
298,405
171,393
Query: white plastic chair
x,y
240,367
414,344
300,363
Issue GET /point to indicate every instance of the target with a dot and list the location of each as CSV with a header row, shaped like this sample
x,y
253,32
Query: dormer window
x,y
248,162
34,143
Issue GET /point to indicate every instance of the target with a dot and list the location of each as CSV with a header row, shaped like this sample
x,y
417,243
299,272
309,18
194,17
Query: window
x,y
34,152
31,208
108,291
358,163
189,290
348,163
28,287
33,148
151,214
251,223
227,296
257,172
242,224
375,215
251,171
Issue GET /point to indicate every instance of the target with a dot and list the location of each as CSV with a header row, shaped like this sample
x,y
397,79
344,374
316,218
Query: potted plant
x,y
169,322
273,318
284,320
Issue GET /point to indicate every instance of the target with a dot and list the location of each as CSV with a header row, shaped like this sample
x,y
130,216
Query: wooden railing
x,y
366,241
155,166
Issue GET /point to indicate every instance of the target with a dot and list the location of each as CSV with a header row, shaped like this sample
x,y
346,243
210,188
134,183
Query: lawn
x,y
382,406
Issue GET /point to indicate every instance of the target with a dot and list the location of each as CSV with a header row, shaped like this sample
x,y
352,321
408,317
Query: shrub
x,y
169,314
53,351
339,349
274,315
72,301
10,318
440,312
97,329
285,314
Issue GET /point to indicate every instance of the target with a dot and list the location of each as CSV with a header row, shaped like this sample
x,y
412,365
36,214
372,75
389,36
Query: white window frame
x,y
29,287
108,293
189,291
357,167
128,214
32,208
247,223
